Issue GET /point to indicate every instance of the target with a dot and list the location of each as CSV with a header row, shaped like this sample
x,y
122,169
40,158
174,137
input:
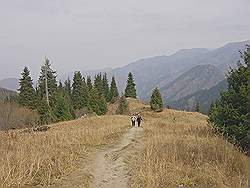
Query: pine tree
x,y
89,83
27,93
51,81
230,115
67,87
105,86
156,102
123,107
113,92
44,107
130,90
93,101
197,107
63,109
98,83
79,91
47,115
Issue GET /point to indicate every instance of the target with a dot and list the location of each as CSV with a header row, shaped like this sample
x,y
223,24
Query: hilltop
x,y
173,148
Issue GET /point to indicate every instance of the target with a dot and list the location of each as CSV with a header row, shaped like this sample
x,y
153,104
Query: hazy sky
x,y
93,34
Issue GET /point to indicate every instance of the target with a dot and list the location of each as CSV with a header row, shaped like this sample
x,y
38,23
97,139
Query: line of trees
x,y
61,101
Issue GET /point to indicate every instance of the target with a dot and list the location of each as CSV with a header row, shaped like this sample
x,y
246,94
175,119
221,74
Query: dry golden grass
x,y
180,149
42,157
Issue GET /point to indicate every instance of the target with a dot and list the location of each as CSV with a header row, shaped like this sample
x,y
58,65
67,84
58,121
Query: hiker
x,y
133,119
139,119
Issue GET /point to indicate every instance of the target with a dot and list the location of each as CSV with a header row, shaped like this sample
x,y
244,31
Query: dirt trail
x,y
106,167
109,168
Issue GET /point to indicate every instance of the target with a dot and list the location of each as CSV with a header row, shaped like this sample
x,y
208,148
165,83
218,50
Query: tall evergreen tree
x,y
89,83
197,107
79,91
98,84
113,92
27,93
67,87
156,102
44,107
105,86
63,109
51,83
230,115
123,107
130,90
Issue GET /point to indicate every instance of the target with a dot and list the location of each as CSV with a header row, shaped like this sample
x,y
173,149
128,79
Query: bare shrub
x,y
14,116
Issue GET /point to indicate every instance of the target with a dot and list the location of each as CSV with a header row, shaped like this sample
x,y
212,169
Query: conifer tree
x,y
44,107
27,93
113,92
89,83
130,90
47,115
67,87
156,102
93,101
105,86
79,91
63,110
230,115
51,83
98,83
197,107
122,106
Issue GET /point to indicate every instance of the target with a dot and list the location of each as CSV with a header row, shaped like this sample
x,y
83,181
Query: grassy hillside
x,y
31,158
180,149
176,148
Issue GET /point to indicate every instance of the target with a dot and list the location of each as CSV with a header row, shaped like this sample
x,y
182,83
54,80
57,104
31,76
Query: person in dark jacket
x,y
133,119
139,119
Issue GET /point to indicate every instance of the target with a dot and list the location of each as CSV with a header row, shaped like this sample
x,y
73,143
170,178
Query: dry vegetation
x,y
42,157
15,116
180,149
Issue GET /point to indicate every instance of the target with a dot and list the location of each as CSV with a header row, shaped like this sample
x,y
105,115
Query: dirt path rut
x,y
105,167
109,168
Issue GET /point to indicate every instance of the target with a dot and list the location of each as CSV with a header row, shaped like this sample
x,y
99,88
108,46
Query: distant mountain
x,y
159,70
198,78
226,56
162,70
10,83
5,93
203,97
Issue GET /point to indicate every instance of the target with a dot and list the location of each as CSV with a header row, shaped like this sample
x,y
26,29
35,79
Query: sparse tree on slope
x,y
156,102
27,93
230,115
197,107
113,92
123,107
130,90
